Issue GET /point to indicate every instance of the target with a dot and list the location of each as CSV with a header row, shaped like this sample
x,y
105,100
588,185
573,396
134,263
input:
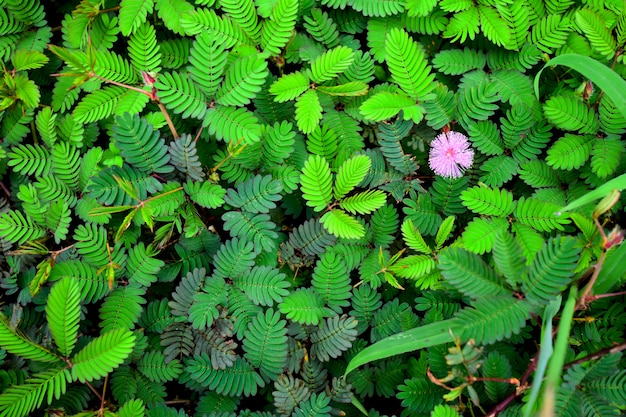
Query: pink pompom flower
x,y
450,154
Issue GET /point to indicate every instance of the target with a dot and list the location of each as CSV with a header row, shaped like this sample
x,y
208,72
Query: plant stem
x,y
597,355
555,368
168,120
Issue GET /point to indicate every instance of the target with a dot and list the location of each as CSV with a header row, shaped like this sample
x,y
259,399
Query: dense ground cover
x,y
312,208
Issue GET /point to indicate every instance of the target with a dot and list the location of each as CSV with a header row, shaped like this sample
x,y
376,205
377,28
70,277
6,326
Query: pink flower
x,y
450,154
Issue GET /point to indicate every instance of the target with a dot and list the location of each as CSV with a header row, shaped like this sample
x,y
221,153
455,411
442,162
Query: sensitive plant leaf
x,y
364,203
13,341
102,355
384,105
331,63
316,183
444,232
133,13
350,174
289,86
342,225
63,314
408,64
413,238
277,30
308,111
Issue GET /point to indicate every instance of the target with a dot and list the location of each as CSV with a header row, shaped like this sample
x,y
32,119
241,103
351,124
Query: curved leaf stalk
x,y
555,368
152,94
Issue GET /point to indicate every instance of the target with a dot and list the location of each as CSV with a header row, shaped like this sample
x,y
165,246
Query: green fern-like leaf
x,y
568,112
508,257
488,201
106,190
206,20
550,32
21,400
113,67
133,13
256,228
463,25
257,195
308,111
233,258
305,306
264,285
570,152
605,155
476,99
205,194
596,30
538,173
457,61
173,13
98,105
480,233
332,281
485,136
365,202
240,379
539,214
389,136
140,145
289,392
419,395
332,63
208,59
58,219
265,345
316,183
290,86
143,49
233,124
122,307
93,286
205,306
16,228
441,110
277,29
494,26
102,355
385,104
63,313
334,336
322,28
311,238
408,65
178,93
611,388
342,225
378,8
469,274
66,163
551,270
14,342
184,157
492,320
154,367
350,173
29,159
242,80
244,14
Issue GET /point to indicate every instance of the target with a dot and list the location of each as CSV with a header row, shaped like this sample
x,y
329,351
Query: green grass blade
x,y
419,338
604,77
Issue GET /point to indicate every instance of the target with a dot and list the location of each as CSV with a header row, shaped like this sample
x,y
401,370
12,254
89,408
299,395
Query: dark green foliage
x,y
207,200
